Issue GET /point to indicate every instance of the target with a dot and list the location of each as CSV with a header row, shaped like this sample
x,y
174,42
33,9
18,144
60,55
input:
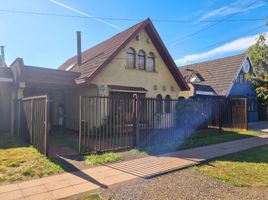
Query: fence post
x,y
220,104
135,122
46,125
18,117
80,123
185,118
31,130
246,114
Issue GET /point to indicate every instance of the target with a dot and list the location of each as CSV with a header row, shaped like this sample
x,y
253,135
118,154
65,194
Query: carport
x,y
40,94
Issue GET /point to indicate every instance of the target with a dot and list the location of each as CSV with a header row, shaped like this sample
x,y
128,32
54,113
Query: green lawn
x,y
212,136
248,168
139,151
100,159
20,162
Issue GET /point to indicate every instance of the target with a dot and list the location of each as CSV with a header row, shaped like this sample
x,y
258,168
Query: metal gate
x,y
33,121
115,123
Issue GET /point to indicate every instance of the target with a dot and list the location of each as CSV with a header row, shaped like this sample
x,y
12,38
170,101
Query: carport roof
x,y
39,77
44,77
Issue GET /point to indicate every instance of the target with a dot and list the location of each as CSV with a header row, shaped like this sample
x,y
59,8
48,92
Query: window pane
x,y
151,62
141,59
131,58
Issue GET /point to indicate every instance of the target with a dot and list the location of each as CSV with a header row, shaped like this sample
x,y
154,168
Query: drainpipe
x,y
3,62
79,56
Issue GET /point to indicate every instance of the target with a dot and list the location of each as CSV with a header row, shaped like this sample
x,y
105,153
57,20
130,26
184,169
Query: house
x,y
133,62
224,77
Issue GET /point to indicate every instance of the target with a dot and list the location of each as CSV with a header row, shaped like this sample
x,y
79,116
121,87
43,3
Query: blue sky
x,y
48,41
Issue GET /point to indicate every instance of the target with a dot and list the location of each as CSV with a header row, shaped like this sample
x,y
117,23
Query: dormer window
x,y
141,59
151,62
131,58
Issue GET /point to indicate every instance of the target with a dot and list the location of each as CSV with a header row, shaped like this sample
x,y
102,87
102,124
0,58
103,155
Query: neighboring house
x,y
134,61
224,77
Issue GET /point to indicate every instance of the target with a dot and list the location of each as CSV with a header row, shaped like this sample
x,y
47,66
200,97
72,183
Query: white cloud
x,y
238,6
235,45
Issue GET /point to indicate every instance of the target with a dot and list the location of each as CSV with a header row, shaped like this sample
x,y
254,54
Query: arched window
x,y
159,103
167,104
141,57
151,62
131,57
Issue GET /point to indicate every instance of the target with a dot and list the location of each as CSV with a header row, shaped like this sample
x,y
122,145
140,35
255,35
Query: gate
x,y
33,121
235,113
116,123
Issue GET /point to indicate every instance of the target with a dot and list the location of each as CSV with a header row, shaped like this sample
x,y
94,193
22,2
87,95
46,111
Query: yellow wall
x,y
189,93
116,73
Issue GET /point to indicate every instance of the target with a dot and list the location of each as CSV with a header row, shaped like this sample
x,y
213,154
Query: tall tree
x,y
258,54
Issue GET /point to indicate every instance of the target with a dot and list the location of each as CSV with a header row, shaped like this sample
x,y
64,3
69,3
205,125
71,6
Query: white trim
x,y
237,73
9,80
205,93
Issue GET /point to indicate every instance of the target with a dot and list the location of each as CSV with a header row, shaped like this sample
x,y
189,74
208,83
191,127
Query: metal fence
x,y
33,121
110,124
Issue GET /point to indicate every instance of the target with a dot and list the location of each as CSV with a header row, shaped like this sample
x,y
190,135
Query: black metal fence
x,y
33,121
110,124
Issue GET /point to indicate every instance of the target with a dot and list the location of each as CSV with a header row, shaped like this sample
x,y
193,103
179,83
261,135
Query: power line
x,y
229,40
212,25
124,19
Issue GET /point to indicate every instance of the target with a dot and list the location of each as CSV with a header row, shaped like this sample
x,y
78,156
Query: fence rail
x,y
33,121
112,123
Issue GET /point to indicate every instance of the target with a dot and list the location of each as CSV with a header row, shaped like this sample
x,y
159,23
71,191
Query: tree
x,y
258,54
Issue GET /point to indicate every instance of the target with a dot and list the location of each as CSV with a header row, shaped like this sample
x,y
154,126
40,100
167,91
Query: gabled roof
x,y
97,57
218,74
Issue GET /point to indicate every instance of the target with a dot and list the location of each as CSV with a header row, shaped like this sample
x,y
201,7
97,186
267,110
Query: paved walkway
x,y
69,184
259,126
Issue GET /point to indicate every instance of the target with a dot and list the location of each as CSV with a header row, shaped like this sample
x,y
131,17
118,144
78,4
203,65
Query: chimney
x,y
79,56
3,62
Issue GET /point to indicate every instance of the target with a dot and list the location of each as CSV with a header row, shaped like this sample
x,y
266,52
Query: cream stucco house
x,y
134,61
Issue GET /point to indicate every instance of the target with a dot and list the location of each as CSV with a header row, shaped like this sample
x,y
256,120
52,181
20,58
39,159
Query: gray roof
x,y
217,74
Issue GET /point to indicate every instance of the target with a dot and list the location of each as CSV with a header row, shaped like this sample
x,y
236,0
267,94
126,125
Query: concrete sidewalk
x,y
69,184
259,126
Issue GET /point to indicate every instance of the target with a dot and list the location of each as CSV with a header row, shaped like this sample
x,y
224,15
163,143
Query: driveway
x,y
259,126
